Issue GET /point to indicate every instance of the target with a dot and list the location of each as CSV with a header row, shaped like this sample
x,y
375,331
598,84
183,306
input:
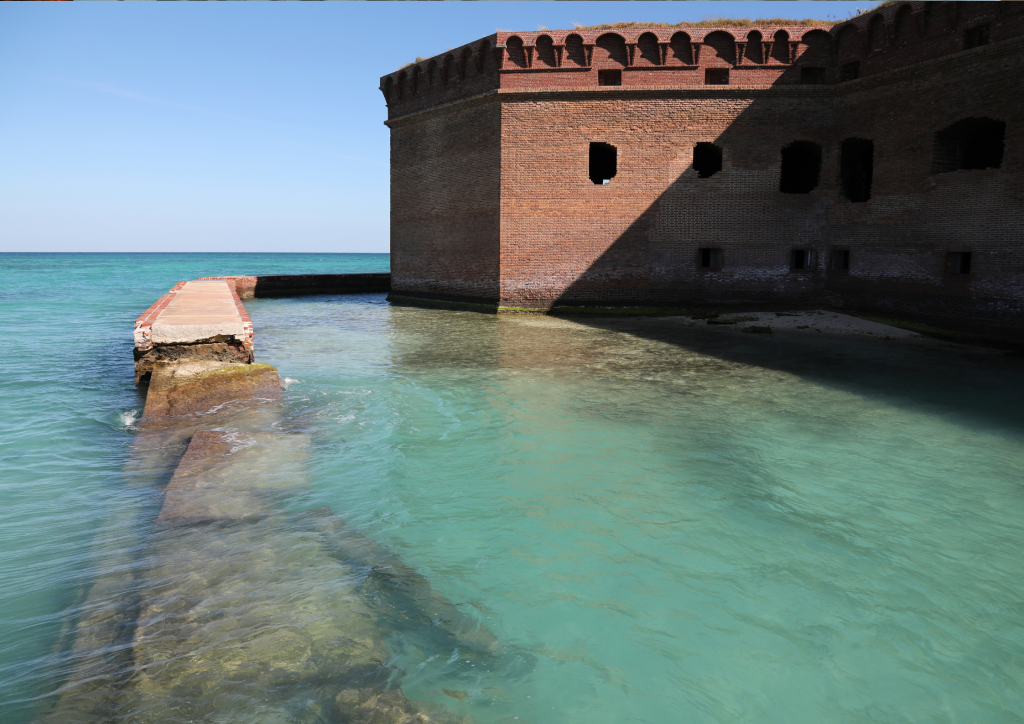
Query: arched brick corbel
x,y
741,49
499,55
559,49
766,51
631,47
588,50
794,47
529,55
695,50
663,53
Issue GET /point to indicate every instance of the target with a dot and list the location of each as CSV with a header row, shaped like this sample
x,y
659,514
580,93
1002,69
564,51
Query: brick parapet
x,y
1009,48
890,37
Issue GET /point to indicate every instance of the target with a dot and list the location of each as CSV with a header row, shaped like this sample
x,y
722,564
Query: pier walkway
x,y
194,312
204,319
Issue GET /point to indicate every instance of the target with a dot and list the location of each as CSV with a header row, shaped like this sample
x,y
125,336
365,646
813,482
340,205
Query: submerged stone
x,y
395,589
249,608
188,387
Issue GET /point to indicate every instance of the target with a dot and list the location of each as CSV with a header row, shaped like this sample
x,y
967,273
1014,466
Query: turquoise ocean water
x,y
657,523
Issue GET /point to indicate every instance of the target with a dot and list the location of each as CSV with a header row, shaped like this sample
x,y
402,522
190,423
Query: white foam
x,y
287,381
128,418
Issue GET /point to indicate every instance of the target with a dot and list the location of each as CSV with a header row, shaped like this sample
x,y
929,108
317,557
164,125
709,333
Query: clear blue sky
x,y
234,126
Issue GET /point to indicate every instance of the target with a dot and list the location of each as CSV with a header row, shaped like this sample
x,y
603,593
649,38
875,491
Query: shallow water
x,y
656,523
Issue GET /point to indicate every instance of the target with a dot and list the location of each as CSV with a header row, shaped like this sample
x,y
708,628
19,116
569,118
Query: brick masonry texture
x,y
491,198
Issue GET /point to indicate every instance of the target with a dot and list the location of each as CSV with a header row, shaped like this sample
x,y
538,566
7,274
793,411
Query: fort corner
x,y
873,165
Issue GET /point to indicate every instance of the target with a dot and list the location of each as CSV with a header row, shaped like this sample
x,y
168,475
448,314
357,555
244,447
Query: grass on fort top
x,y
720,22
707,23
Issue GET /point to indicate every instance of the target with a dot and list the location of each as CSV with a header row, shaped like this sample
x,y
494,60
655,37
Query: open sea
x,y
633,520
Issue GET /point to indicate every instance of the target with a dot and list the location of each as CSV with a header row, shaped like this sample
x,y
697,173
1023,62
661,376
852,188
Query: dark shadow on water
x,y
977,387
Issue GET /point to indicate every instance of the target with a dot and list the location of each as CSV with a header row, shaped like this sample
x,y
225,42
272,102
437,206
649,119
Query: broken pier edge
x,y
195,320
194,347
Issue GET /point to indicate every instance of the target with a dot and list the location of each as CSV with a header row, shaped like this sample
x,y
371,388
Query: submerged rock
x,y
366,706
395,589
188,387
229,611
245,616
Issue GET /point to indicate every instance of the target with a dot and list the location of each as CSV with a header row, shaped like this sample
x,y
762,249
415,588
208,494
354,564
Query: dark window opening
x,y
856,165
801,165
603,162
804,259
975,37
850,71
958,262
710,258
973,143
716,76
707,159
609,77
812,76
841,259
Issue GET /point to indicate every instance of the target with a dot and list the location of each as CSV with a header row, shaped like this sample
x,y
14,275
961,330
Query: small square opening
x,y
969,144
958,263
803,259
801,167
710,258
716,76
841,259
707,159
812,76
609,77
975,37
856,167
850,71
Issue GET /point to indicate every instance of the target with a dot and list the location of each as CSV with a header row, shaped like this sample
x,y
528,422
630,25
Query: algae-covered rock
x,y
183,388
220,349
247,613
369,706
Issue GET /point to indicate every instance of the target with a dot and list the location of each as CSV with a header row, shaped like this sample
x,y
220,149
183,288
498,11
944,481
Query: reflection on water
x,y
680,524
454,515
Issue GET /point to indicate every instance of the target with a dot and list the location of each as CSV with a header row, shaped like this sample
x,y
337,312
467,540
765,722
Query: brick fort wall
x,y
492,199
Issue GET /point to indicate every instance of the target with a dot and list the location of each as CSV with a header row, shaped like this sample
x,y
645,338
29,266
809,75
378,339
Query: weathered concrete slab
x,y
200,311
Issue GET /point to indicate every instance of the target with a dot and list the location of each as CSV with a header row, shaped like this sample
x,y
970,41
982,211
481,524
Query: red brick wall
x,y
445,172
636,239
900,237
564,240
